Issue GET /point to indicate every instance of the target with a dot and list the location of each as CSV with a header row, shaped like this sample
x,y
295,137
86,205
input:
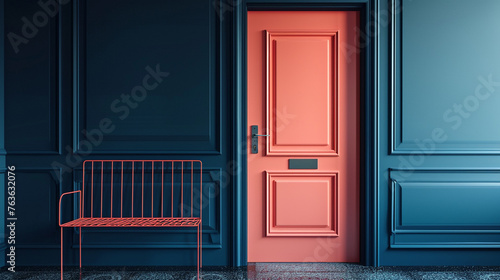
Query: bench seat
x,y
133,222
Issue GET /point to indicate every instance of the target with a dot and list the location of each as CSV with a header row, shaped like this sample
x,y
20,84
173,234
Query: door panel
x,y
289,90
301,204
303,93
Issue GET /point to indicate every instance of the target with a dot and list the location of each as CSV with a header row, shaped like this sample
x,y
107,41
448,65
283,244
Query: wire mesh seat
x,y
134,222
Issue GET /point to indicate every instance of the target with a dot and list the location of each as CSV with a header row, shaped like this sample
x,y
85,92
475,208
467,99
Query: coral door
x,y
303,136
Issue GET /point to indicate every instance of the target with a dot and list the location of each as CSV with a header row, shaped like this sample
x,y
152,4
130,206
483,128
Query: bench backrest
x,y
142,188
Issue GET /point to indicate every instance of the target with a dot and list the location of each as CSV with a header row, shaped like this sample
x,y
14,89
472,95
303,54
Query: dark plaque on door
x,y
303,164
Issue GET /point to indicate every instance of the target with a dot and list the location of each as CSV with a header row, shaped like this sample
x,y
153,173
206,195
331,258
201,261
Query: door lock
x,y
255,139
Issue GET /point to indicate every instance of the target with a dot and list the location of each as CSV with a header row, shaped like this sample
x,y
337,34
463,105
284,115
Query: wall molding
x,y
57,178
212,226
210,144
400,146
55,76
445,235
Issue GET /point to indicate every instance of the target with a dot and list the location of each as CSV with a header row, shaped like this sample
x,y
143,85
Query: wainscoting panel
x,y
146,79
445,208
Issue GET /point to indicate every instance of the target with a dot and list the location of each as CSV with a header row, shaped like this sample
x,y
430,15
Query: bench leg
x,y
198,254
62,250
201,244
80,236
61,253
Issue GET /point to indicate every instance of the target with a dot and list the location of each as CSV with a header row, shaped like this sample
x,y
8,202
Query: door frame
x,y
369,116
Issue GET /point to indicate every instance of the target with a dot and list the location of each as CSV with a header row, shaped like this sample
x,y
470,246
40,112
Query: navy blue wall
x,y
117,80
2,148
439,182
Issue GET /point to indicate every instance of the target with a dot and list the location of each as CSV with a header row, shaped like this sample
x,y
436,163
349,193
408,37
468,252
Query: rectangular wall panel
x,y
37,197
445,208
444,89
32,109
166,99
302,93
454,205
156,237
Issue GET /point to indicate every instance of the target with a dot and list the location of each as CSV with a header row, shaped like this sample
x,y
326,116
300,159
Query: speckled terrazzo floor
x,y
260,271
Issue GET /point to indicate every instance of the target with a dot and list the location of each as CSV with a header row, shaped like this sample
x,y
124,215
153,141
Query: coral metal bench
x,y
163,193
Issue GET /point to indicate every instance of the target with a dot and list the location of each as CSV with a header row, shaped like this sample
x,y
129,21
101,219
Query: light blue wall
x,y
439,184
